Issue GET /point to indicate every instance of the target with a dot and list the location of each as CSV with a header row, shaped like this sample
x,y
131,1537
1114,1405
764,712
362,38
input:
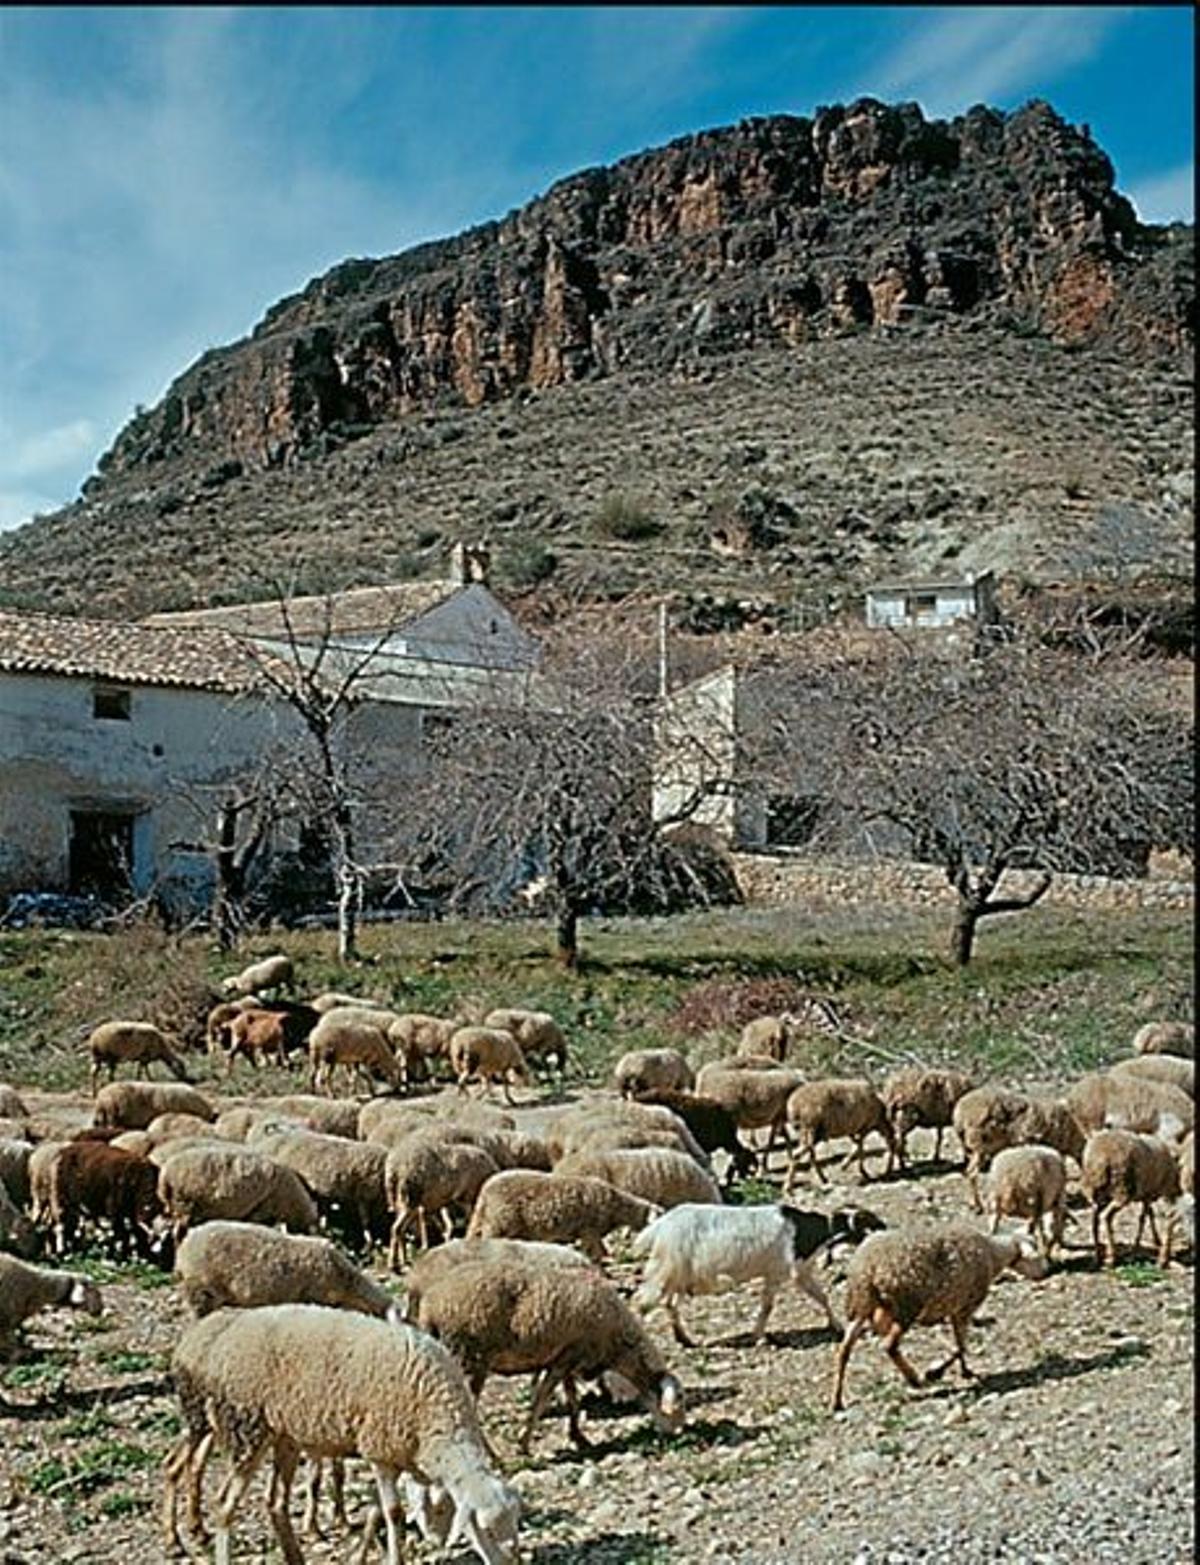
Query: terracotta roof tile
x,y
125,653
360,610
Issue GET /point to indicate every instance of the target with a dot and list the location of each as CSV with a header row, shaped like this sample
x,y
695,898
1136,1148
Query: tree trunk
x,y
347,914
227,912
566,935
962,938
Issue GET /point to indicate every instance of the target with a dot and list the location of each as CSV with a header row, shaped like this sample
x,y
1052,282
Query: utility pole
x,y
662,649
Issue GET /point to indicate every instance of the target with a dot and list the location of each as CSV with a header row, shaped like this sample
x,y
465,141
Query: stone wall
x,y
780,879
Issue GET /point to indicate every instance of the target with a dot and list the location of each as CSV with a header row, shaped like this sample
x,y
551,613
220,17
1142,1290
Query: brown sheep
x,y
93,1179
135,1043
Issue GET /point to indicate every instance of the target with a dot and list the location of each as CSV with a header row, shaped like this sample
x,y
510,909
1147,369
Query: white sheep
x,y
25,1289
354,1386
836,1106
1165,1038
1121,1167
756,1095
272,972
1103,1101
554,1322
656,1174
921,1276
537,1032
341,1174
433,1265
131,1105
922,1096
652,1070
197,1184
699,1249
430,1174
554,1208
1030,1182
130,1043
329,1116
353,1041
222,1264
487,1054
767,1036
1171,1068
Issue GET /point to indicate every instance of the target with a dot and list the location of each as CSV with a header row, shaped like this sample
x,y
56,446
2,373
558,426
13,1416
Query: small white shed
x,y
928,605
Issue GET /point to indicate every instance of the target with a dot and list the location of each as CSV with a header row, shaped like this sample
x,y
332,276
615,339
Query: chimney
x,y
469,562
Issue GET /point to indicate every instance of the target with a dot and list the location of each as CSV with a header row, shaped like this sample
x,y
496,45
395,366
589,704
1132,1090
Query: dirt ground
x,y
1073,1444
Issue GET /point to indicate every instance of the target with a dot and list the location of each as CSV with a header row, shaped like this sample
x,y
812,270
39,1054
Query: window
x,y
922,603
108,701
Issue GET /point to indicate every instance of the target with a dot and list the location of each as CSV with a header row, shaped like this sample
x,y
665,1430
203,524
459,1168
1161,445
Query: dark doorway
x,y
101,855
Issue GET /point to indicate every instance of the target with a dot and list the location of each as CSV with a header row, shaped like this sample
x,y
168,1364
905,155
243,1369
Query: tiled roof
x,y
361,610
124,653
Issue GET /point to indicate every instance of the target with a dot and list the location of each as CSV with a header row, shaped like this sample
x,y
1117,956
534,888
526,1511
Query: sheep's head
x,y
85,1295
850,1224
665,1403
487,1517
1028,1262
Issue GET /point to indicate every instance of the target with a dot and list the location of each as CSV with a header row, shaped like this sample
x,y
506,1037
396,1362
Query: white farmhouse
x,y
929,605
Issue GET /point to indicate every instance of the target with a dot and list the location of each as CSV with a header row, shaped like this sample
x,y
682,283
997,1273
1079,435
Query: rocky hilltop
x,y
725,261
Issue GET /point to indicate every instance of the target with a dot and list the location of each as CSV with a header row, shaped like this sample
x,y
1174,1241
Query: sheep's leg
x,y
230,1497
1110,1213
174,1468
310,1521
1096,1235
287,1459
392,1507
195,1486
789,1178
543,1389
841,1358
765,1305
1147,1214
447,1223
422,1228
808,1282
1168,1239
397,1250
671,1305
937,1143
891,1331
936,1371
1058,1221
571,1392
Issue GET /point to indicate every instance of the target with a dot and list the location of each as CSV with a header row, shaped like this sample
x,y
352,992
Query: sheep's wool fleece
x,y
923,1275
336,1382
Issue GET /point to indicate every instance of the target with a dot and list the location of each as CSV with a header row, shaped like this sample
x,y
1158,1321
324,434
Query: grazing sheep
x,y
757,1097
428,1174
352,1041
1030,1182
1102,1101
1119,1168
223,1264
1169,1068
988,1119
273,972
11,1106
354,1386
711,1123
330,1116
166,1127
655,1174
767,1037
25,1289
260,1035
131,1105
14,1168
694,1250
571,1127
331,1000
538,1034
1184,1213
1166,1038
95,1179
17,1233
341,1174
556,1323
838,1106
652,1070
200,1183
922,1096
424,1037
130,1043
487,1054
513,1254
922,1276
15,1129
554,1209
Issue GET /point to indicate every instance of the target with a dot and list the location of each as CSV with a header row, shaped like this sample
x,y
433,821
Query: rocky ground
x,y
1073,1444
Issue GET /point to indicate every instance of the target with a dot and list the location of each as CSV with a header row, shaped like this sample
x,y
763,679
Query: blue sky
x,y
165,175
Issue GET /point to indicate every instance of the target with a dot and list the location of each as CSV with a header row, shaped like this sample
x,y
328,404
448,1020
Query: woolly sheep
x,y
767,1036
201,1183
988,1119
350,1040
1165,1038
422,1036
98,1180
164,1127
756,1097
272,972
557,1323
922,1276
922,1096
1119,1168
1101,1101
1169,1068
698,1249
130,1043
1030,1182
655,1174
11,1106
348,1175
571,1126
428,1175
712,1125
648,1070
222,1264
487,1054
14,1168
540,1037
258,1035
331,1000
17,1233
387,1120
15,1129
837,1106
131,1105
331,1116
1184,1213
355,1386
25,1289
433,1265
555,1209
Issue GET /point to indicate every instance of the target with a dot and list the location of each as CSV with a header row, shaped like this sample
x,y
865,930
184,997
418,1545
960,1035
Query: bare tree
x,y
1010,755
551,795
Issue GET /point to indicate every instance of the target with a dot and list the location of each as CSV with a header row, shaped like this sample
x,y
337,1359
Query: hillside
x,y
764,363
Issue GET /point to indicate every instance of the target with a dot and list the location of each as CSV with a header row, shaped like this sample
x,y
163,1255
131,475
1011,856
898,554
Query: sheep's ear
x,y
670,1397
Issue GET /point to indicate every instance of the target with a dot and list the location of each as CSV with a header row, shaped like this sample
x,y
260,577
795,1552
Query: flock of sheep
x,y
298,1354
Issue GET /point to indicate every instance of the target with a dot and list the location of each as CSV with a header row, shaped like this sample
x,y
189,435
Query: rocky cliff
x,y
776,231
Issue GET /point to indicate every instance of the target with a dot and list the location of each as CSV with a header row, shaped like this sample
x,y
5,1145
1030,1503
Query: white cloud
x,y
1169,197
971,55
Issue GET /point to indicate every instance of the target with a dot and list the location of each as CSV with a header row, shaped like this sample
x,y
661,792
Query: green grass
x,y
1052,991
95,1467
1139,1274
